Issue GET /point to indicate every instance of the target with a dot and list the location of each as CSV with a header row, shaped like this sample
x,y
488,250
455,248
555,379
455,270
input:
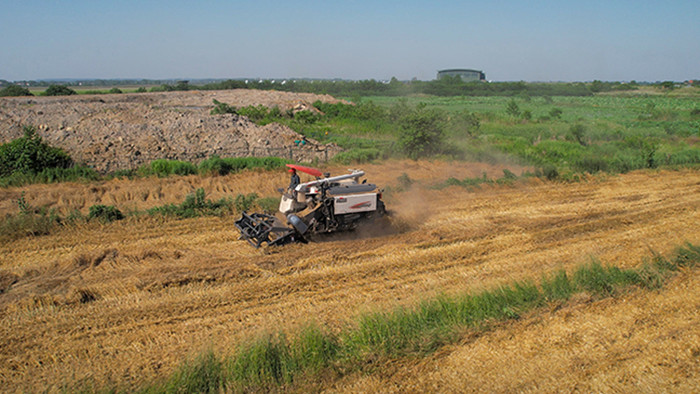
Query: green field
x,y
559,136
570,134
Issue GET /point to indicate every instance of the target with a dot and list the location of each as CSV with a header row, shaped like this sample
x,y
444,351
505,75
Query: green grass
x,y
194,205
605,130
278,361
606,133
50,175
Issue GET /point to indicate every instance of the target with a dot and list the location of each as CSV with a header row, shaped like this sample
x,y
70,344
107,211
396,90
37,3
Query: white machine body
x,y
355,203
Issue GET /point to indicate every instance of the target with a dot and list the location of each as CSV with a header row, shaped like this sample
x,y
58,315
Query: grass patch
x,y
195,205
222,166
274,361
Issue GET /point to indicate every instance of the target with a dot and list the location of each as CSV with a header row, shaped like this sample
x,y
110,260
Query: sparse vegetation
x,y
274,360
473,255
195,205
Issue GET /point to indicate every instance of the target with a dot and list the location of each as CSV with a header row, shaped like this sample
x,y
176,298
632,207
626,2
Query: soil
x,y
122,131
95,305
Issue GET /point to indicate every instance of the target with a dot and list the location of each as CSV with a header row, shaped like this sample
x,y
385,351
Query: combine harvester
x,y
325,205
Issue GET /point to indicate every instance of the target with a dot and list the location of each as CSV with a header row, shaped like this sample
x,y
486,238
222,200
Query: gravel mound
x,y
123,131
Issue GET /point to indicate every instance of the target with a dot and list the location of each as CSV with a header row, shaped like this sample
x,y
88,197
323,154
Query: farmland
x,y
128,304
123,304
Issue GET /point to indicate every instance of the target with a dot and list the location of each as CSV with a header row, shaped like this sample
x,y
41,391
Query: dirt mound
x,y
123,131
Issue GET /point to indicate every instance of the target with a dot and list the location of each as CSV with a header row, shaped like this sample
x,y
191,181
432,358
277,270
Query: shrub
x,y
509,175
115,91
30,155
14,91
591,164
513,109
465,122
306,117
222,108
105,213
244,202
254,113
422,132
549,172
578,132
555,113
59,90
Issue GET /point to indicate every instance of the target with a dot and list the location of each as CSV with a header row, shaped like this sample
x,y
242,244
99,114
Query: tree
x,y
59,90
14,91
29,154
422,132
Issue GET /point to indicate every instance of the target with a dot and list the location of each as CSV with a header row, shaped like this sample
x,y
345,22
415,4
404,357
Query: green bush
x,y
59,90
555,113
244,202
422,132
549,172
14,91
30,155
105,213
222,108
465,122
591,164
254,113
512,109
306,117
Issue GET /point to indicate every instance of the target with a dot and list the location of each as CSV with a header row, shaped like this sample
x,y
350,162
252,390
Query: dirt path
x,y
127,302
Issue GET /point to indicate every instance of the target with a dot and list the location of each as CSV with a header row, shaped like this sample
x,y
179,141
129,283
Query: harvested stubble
x,y
160,291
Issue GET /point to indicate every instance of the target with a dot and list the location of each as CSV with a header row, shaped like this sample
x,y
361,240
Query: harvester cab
x,y
324,205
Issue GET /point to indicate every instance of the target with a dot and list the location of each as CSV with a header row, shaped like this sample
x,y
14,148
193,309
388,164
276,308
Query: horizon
x,y
538,41
311,79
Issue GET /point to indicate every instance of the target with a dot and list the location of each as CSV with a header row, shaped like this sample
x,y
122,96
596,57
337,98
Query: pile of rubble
x,y
123,131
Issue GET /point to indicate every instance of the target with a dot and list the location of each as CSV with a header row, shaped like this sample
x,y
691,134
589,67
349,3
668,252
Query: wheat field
x,y
123,304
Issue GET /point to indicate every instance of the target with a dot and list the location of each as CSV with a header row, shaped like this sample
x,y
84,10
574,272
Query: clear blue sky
x,y
611,40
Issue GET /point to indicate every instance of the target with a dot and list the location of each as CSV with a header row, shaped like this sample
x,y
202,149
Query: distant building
x,y
467,75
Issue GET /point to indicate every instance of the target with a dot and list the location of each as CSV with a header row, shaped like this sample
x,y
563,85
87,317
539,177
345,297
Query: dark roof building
x,y
467,75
